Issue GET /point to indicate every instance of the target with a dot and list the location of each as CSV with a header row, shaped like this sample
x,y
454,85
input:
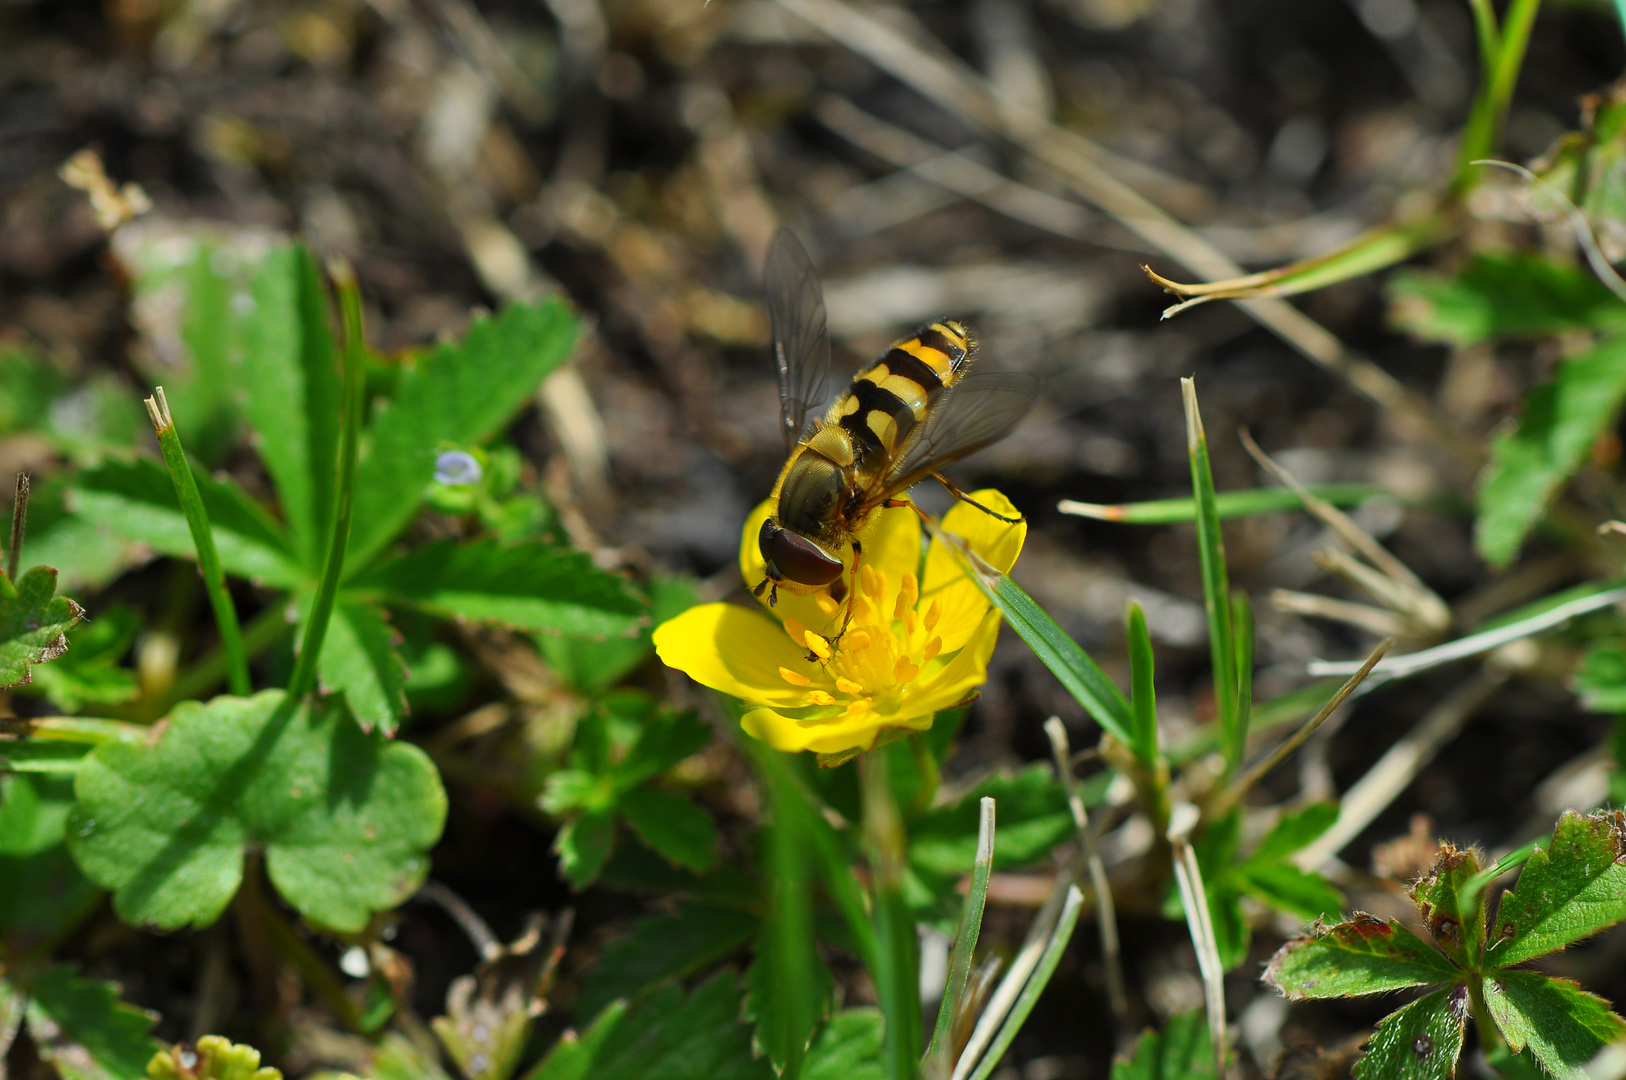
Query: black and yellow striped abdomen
x,y
892,396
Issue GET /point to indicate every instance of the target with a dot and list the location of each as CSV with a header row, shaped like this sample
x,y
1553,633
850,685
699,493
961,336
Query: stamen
x,y
861,705
933,647
857,640
819,697
816,644
933,613
904,671
910,620
903,603
911,589
847,686
867,581
795,678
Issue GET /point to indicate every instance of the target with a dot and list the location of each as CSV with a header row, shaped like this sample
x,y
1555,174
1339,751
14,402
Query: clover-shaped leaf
x,y
33,621
344,817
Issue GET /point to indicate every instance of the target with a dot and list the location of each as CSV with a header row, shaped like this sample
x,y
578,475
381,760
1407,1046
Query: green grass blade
x,y
1029,997
1142,695
1230,504
1242,629
1082,677
303,678
897,979
965,943
203,540
1501,57
1216,588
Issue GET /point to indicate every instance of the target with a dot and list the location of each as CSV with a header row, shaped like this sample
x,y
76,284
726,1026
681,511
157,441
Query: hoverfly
x,y
904,417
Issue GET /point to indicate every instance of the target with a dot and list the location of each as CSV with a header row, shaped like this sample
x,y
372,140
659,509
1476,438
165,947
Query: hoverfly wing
x,y
975,412
801,339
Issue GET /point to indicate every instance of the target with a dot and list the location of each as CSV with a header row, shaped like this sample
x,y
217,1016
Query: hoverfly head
x,y
792,557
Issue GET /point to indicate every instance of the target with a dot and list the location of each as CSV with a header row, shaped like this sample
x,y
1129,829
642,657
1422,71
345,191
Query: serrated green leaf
x,y
531,586
1183,1051
668,738
216,1058
1562,419
1562,1025
290,377
136,500
359,660
345,817
1363,955
672,1037
1033,818
89,672
1295,830
83,1029
1421,1041
663,947
571,1058
1572,890
848,1047
33,623
1601,682
584,845
1453,915
459,395
1287,888
1501,296
672,825
593,666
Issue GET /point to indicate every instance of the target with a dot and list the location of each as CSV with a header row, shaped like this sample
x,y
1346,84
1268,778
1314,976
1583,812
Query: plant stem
x,y
203,540
261,632
19,525
303,678
897,980
1499,71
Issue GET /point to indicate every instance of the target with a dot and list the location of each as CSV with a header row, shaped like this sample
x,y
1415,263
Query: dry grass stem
x,y
1368,618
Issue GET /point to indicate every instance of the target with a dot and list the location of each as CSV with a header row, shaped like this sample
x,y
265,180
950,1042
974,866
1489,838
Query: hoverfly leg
x,y
773,596
761,585
963,497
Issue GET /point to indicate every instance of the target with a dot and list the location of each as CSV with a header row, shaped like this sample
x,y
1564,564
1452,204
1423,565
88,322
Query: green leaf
x,y
673,826
848,1047
1363,955
83,418
1563,1025
1143,696
1447,898
89,672
1570,891
666,1037
663,947
1562,419
669,737
33,623
217,1059
1295,830
1060,935
42,893
398,1058
290,375
1502,296
359,660
136,499
1421,1041
86,555
572,1056
1182,1052
1287,888
345,818
593,666
1601,682
459,395
83,1029
1033,818
531,586
584,845
1216,587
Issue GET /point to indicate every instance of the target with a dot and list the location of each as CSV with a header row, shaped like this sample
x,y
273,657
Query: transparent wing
x,y
801,340
975,412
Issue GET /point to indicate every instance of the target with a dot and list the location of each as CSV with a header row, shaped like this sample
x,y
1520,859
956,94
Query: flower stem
x,y
327,590
203,540
897,980
19,525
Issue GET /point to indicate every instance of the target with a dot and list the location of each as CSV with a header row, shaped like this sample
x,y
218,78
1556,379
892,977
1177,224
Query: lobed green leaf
x,y
662,948
1420,1041
345,817
1448,901
33,623
848,1047
583,846
359,659
1295,830
1502,296
84,1030
1572,890
1363,955
572,1056
1562,1025
671,825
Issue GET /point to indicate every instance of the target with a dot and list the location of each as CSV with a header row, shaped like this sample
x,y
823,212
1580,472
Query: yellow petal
x,y
738,651
963,604
829,735
960,676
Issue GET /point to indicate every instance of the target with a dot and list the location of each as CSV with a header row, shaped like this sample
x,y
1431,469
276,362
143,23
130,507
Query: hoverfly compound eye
x,y
798,558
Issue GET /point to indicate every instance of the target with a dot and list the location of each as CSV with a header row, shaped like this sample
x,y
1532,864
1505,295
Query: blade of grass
x,y
1082,677
303,678
1189,877
203,540
1034,987
1106,912
19,525
1142,690
897,979
1242,647
1216,589
1501,57
1229,504
937,1064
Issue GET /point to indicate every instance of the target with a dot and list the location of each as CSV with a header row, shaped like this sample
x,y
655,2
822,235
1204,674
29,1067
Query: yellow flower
x,y
919,640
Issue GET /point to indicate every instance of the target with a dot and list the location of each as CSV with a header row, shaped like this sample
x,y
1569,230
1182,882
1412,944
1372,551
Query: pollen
x,y
819,697
933,647
816,645
847,686
911,590
933,614
859,706
795,678
904,670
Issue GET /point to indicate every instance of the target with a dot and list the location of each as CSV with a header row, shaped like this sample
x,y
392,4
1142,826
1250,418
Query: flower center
x,y
883,651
